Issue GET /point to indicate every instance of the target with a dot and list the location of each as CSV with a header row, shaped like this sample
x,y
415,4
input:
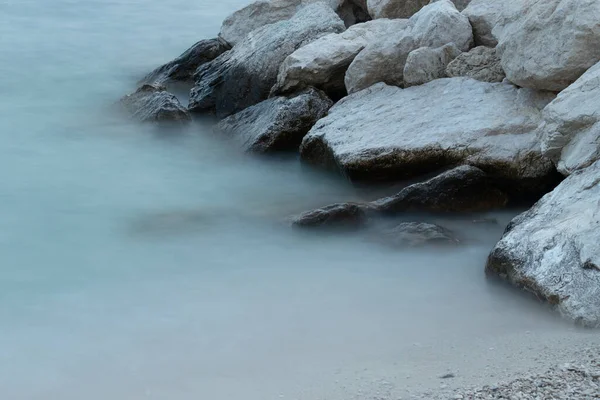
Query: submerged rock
x,y
551,43
413,234
388,133
245,75
323,63
278,123
462,189
182,68
426,64
435,25
570,131
342,215
553,250
481,63
152,103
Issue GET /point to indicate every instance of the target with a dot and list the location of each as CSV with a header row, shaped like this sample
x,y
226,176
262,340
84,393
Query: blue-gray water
x,y
143,264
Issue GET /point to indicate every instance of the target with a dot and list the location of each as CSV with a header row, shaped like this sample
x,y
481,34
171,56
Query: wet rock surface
x,y
152,103
415,234
342,215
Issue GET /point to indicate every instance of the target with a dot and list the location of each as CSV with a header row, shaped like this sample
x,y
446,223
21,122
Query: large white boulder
x,y
435,25
426,64
570,131
323,63
388,133
245,75
549,44
553,250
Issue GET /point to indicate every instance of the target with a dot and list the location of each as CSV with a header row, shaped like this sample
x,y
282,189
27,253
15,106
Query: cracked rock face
x,y
388,133
553,250
481,63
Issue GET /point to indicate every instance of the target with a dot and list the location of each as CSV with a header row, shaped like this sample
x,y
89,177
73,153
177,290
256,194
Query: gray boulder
x,y
182,68
416,234
323,63
245,75
570,130
553,250
342,215
481,63
487,15
394,8
435,25
238,25
152,103
551,43
462,189
426,64
388,133
278,123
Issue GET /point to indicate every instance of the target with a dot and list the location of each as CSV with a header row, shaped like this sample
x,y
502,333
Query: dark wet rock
x,y
462,189
342,215
182,68
413,234
553,250
245,75
278,123
152,103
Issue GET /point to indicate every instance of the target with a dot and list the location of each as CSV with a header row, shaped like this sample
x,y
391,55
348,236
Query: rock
x,y
323,63
426,64
484,15
462,189
388,133
278,123
394,8
570,130
152,103
182,68
435,25
413,234
343,215
238,25
480,63
551,43
245,75
553,250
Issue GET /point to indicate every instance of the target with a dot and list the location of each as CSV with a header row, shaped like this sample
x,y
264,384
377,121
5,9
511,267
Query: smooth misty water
x,y
146,264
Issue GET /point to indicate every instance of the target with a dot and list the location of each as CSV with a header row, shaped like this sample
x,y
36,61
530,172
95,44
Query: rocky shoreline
x,y
500,101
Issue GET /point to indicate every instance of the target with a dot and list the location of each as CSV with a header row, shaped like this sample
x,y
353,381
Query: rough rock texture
x,y
462,189
343,215
481,63
570,131
484,15
152,103
323,63
551,43
426,64
394,8
245,75
278,123
182,68
413,234
384,133
553,250
238,25
435,25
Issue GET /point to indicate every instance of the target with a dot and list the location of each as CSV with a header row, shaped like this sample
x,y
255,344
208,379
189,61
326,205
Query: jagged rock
x,y
343,215
426,64
484,15
323,63
238,25
481,63
152,103
435,25
394,8
388,133
278,123
570,130
245,75
551,43
414,234
553,250
462,189
182,68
